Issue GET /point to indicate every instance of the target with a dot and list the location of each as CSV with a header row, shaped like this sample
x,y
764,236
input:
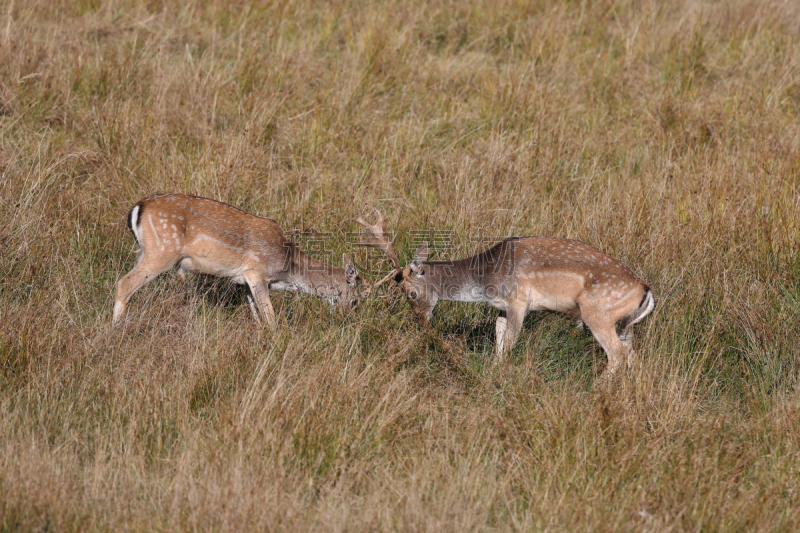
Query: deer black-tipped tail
x,y
645,308
135,222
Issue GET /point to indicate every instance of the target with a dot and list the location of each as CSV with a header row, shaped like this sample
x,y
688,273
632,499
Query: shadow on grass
x,y
561,350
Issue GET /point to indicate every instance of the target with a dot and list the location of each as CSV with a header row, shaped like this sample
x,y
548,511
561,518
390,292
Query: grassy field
x,y
665,133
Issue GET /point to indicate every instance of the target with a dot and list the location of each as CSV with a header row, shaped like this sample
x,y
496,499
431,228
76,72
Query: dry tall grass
x,y
665,133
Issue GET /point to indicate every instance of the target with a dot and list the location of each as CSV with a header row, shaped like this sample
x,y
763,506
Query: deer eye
x,y
413,295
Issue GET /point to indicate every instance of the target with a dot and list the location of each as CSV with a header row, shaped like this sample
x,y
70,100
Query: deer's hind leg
x,y
626,338
605,331
147,268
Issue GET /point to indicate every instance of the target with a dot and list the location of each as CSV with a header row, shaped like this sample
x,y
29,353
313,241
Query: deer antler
x,y
383,280
375,237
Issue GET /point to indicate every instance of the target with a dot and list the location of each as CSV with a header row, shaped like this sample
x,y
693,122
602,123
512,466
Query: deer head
x,y
412,279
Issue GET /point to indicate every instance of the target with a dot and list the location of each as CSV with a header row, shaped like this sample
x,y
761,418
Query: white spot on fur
x,y
153,228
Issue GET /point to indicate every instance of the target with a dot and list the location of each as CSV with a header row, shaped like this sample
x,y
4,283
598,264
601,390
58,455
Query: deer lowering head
x,y
522,274
418,294
210,237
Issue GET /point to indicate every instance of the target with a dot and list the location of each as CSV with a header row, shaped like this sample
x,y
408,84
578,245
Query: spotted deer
x,y
522,274
210,237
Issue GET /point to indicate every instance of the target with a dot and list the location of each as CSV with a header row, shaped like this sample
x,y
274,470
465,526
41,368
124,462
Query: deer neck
x,y
456,281
309,275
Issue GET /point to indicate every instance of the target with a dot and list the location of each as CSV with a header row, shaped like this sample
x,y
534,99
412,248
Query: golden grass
x,y
665,133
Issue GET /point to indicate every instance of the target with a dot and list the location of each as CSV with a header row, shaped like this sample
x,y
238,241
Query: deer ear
x,y
350,272
416,266
421,254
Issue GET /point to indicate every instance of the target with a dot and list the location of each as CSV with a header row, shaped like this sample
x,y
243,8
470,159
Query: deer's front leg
x,y
500,334
507,329
260,291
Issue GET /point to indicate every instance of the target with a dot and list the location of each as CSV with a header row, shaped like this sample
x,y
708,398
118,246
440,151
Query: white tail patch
x,y
136,227
646,308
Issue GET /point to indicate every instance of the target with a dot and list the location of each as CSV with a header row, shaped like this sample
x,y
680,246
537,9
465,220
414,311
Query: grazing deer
x,y
210,237
522,274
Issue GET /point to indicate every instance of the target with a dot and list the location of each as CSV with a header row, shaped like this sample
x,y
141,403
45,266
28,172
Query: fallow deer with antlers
x,y
210,237
522,274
